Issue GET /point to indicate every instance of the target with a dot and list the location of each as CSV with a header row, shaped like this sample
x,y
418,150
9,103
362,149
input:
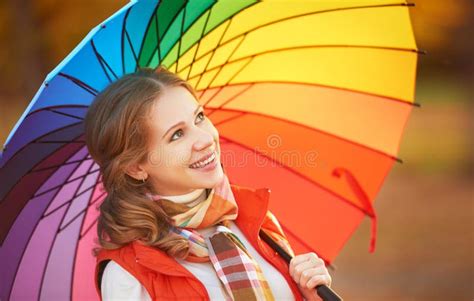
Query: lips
x,y
203,158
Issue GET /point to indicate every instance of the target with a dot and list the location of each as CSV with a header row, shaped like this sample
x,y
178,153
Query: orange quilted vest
x,y
165,279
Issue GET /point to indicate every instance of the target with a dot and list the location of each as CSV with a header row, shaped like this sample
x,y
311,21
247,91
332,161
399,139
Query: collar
x,y
252,207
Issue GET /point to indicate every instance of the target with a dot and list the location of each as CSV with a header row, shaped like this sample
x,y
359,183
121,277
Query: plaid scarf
x,y
240,275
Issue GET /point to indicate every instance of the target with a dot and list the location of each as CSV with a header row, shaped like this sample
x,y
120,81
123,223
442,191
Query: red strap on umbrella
x,y
364,199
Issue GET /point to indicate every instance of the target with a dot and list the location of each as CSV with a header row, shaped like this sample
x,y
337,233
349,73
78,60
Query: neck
x,y
189,199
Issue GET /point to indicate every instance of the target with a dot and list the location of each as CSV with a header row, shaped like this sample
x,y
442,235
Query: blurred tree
x,y
445,29
20,56
37,35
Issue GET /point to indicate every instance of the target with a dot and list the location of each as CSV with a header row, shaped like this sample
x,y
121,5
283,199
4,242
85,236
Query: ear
x,y
137,172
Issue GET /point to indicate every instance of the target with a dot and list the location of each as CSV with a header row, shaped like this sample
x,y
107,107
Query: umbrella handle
x,y
326,293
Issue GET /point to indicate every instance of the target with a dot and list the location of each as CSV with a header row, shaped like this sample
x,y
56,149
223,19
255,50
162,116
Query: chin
x,y
210,180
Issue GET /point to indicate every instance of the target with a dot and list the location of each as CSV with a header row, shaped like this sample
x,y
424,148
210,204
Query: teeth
x,y
205,162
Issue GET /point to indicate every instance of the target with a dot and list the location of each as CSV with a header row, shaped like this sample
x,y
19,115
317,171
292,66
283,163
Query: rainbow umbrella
x,y
310,99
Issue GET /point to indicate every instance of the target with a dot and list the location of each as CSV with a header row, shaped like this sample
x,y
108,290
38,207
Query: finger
x,y
313,262
316,280
307,275
317,261
304,266
297,268
302,258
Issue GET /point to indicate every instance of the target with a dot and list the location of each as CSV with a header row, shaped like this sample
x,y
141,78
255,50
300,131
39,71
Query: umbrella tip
x,y
409,4
417,104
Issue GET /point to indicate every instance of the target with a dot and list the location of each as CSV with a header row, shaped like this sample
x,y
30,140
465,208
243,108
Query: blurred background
x,y
425,208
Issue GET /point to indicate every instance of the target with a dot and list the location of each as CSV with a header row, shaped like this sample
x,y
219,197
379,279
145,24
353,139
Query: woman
x,y
172,226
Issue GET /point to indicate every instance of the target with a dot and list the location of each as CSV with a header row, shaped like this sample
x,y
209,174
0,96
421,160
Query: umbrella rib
x,y
40,137
75,140
79,83
248,87
55,237
158,40
65,114
55,166
72,171
231,78
58,107
122,39
311,129
66,202
205,26
32,232
131,48
227,83
164,34
298,16
58,141
299,175
414,104
220,67
125,32
83,210
77,245
32,169
90,203
60,165
90,227
295,48
30,235
194,21
46,134
102,61
229,119
153,14
303,47
68,181
213,51
180,36
199,40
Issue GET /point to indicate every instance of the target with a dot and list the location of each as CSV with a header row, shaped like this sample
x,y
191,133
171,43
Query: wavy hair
x,y
116,133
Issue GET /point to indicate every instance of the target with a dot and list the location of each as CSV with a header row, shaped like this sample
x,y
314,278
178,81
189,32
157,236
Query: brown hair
x,y
116,132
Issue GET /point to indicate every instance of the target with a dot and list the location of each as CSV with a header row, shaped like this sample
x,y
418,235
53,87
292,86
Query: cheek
x,y
212,130
180,154
166,158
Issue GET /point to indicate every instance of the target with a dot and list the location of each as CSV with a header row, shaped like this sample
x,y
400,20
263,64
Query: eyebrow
x,y
181,122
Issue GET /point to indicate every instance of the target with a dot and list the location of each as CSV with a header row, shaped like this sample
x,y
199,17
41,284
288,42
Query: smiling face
x,y
180,135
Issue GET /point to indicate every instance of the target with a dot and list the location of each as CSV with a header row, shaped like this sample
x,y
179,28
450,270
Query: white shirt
x,y
118,284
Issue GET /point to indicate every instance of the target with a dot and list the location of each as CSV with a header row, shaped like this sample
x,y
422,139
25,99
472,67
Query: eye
x,y
174,134
201,114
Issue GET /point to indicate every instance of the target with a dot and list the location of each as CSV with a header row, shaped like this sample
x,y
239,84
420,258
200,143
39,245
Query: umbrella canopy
x,y
310,100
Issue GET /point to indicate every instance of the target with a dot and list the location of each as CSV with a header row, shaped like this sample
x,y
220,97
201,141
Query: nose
x,y
204,140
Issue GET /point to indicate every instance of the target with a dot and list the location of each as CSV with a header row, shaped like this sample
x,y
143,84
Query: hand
x,y
309,271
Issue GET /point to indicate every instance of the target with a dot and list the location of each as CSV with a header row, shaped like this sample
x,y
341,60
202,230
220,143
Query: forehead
x,y
174,104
